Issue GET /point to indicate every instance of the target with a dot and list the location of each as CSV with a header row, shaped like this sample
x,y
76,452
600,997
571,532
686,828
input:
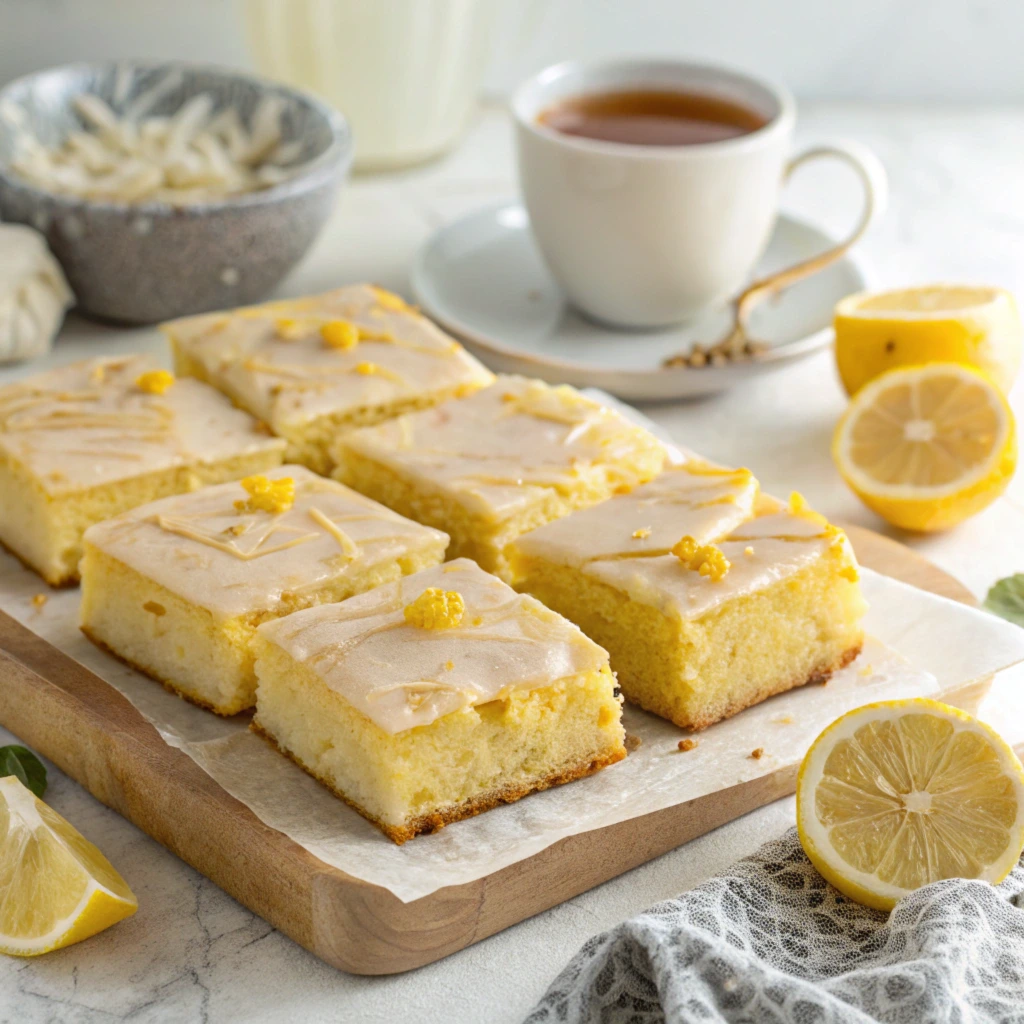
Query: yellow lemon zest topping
x,y
642,533
436,609
154,382
685,549
267,495
709,561
340,334
706,559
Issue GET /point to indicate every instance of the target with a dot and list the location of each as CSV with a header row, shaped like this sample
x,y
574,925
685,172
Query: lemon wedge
x,y
927,446
973,326
898,794
56,888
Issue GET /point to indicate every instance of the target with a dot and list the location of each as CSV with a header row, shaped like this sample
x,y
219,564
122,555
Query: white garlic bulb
x,y
33,294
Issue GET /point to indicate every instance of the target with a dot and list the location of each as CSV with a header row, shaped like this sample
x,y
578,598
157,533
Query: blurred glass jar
x,y
406,73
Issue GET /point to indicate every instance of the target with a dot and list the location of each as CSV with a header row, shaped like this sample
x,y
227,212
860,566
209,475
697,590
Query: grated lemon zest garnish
x,y
436,609
706,559
267,495
154,382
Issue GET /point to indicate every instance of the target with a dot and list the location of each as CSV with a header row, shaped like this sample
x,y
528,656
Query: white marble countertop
x,y
192,953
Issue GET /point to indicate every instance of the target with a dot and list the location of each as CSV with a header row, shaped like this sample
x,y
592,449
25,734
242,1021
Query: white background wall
x,y
958,50
930,50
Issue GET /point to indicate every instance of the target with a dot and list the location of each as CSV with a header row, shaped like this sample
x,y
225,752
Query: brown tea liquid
x,y
652,118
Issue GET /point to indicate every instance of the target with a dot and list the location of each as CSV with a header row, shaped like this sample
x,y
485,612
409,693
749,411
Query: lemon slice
x,y
927,446
977,327
56,888
895,795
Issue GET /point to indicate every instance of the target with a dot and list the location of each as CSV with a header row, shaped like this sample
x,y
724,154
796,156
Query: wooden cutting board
x,y
92,733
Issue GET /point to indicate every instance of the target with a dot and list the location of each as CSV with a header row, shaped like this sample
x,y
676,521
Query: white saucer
x,y
483,279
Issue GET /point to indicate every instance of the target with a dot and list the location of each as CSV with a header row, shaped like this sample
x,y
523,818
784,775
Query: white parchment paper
x,y
920,645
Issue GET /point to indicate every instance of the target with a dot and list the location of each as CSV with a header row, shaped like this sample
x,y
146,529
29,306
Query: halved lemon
x,y
927,446
56,888
973,326
895,795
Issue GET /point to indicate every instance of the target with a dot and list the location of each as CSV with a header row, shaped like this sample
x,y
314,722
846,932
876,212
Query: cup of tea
x,y
653,186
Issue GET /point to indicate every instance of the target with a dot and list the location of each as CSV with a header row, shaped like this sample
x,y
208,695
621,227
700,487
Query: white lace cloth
x,y
770,941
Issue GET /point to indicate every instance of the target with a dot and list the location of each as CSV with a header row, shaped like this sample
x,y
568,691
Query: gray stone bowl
x,y
145,262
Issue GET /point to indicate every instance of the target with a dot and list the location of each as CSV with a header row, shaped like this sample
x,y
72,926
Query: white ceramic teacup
x,y
647,236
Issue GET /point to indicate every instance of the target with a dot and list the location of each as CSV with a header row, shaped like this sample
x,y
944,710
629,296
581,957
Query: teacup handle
x,y
876,189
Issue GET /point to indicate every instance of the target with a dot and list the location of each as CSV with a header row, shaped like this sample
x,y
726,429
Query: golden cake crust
x,y
820,674
425,824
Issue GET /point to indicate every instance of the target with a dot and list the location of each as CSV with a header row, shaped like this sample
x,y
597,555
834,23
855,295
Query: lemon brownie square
x,y
87,441
178,587
708,596
314,366
491,466
437,697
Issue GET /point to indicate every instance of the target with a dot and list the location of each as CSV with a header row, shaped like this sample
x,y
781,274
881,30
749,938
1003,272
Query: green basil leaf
x,y
1006,599
25,766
